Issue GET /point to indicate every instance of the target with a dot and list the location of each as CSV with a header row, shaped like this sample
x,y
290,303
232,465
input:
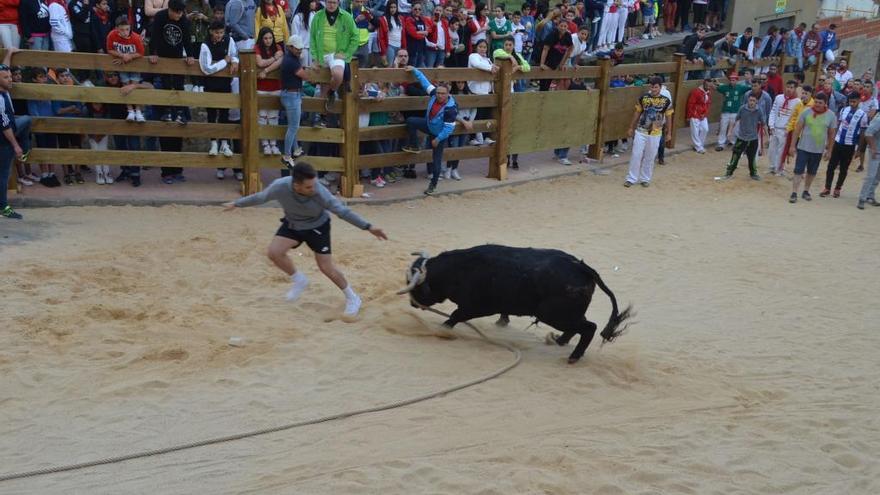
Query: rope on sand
x,y
239,436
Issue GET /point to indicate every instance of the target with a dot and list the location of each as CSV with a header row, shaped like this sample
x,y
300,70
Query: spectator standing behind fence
x,y
391,32
9,21
698,103
418,27
62,30
125,46
794,45
749,127
439,42
293,71
302,19
438,123
239,15
811,146
480,60
119,111
500,28
828,46
33,18
43,108
852,122
269,56
363,21
170,35
85,36
652,117
216,54
15,142
268,15
69,109
334,39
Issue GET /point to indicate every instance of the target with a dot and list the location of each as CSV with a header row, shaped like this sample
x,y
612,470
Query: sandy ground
x,y
752,368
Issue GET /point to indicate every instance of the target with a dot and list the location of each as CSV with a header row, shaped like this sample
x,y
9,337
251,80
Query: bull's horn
x,y
411,286
423,254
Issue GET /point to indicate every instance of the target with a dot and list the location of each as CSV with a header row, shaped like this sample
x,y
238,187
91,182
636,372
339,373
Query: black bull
x,y
550,285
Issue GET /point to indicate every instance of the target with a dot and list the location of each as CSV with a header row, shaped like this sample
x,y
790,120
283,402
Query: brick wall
x,y
862,37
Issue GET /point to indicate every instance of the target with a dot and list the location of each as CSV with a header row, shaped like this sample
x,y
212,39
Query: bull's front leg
x,y
460,315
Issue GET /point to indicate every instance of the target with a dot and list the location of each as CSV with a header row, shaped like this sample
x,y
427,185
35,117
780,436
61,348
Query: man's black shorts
x,y
318,239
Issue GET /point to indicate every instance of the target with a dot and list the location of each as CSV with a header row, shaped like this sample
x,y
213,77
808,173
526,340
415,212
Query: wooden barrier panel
x,y
115,127
321,163
305,134
553,119
143,158
424,156
30,91
398,131
448,74
621,104
643,69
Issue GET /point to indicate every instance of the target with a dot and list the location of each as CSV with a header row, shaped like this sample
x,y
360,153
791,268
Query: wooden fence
x,y
521,122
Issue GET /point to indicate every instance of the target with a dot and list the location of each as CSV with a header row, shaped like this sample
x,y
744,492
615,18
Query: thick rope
x,y
274,429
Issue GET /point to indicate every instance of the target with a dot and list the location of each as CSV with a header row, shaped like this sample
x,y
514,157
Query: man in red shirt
x,y
698,103
775,85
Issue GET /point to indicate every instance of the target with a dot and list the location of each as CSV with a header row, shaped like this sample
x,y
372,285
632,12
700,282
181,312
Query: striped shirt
x,y
850,125
7,116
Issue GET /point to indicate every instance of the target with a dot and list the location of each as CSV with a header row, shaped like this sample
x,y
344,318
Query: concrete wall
x,y
745,13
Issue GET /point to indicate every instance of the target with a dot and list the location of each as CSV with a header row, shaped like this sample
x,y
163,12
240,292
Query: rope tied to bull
x,y
274,429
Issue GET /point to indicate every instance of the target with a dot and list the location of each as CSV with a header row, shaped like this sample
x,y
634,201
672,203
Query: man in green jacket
x,y
333,39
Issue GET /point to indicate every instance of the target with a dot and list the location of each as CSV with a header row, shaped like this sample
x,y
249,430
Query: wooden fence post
x,y
502,113
349,123
780,65
680,100
250,155
604,85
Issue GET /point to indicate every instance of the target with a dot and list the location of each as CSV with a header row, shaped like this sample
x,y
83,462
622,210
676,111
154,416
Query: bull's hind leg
x,y
503,321
587,330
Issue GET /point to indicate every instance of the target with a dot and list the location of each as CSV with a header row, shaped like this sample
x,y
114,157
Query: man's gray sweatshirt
x,y
749,120
239,17
303,212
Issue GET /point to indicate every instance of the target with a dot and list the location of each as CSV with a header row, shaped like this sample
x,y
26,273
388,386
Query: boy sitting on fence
x,y
124,46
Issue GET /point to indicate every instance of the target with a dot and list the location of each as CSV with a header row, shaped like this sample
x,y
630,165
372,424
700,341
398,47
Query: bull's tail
x,y
614,329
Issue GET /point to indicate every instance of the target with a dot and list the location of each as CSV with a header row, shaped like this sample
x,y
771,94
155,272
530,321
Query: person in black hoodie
x,y
82,17
33,18
169,38
102,23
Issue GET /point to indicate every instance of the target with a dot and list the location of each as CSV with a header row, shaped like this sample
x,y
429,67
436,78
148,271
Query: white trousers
x,y
100,145
727,122
9,37
621,25
777,148
641,163
608,29
699,130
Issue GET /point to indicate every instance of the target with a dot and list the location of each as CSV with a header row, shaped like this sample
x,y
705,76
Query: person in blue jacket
x,y
829,44
438,123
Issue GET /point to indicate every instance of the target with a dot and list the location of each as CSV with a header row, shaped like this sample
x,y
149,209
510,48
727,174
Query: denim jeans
x,y
7,154
292,102
391,54
416,124
433,58
455,142
40,43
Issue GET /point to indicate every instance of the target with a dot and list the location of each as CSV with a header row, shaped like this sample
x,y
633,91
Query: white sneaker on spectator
x,y
275,149
225,150
108,177
300,282
565,161
324,181
298,152
214,148
239,176
27,182
352,306
447,174
267,150
99,178
488,141
455,174
475,142
139,116
130,117
220,174
378,182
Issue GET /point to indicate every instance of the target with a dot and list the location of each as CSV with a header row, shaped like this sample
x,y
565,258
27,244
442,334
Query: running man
x,y
305,202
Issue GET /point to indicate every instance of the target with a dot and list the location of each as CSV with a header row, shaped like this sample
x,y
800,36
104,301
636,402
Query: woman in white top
x,y
62,30
481,17
300,25
391,35
480,60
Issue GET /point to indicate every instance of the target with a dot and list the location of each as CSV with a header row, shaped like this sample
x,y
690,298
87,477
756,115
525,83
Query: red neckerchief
x,y
102,15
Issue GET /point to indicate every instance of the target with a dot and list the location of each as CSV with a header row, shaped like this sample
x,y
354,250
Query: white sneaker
x,y
225,149
99,178
352,306
26,182
239,176
565,161
108,176
455,174
213,150
267,150
645,36
220,175
447,174
300,282
139,116
488,141
378,182
275,149
298,152
130,116
475,142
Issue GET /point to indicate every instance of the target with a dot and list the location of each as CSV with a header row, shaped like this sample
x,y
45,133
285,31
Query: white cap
x,y
295,41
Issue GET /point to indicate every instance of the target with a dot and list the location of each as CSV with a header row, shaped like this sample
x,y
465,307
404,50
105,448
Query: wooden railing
x,y
609,115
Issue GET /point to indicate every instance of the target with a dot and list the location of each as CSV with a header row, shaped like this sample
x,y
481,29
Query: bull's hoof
x,y
550,338
572,360
502,322
448,324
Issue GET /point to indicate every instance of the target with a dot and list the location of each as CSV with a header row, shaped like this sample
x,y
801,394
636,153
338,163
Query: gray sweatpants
x,y
872,178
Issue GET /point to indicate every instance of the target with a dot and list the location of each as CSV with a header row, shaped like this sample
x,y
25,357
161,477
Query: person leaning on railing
x,y
438,123
16,135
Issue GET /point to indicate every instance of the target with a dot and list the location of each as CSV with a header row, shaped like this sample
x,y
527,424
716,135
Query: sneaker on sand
x,y
239,176
565,161
352,306
447,174
755,177
300,282
627,184
99,179
825,193
806,196
220,175
455,174
792,198
724,177
8,212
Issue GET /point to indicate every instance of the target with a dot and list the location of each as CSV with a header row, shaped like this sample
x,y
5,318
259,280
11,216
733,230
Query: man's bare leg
x,y
277,252
329,269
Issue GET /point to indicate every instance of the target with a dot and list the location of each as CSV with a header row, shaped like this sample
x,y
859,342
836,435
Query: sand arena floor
x,y
752,368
